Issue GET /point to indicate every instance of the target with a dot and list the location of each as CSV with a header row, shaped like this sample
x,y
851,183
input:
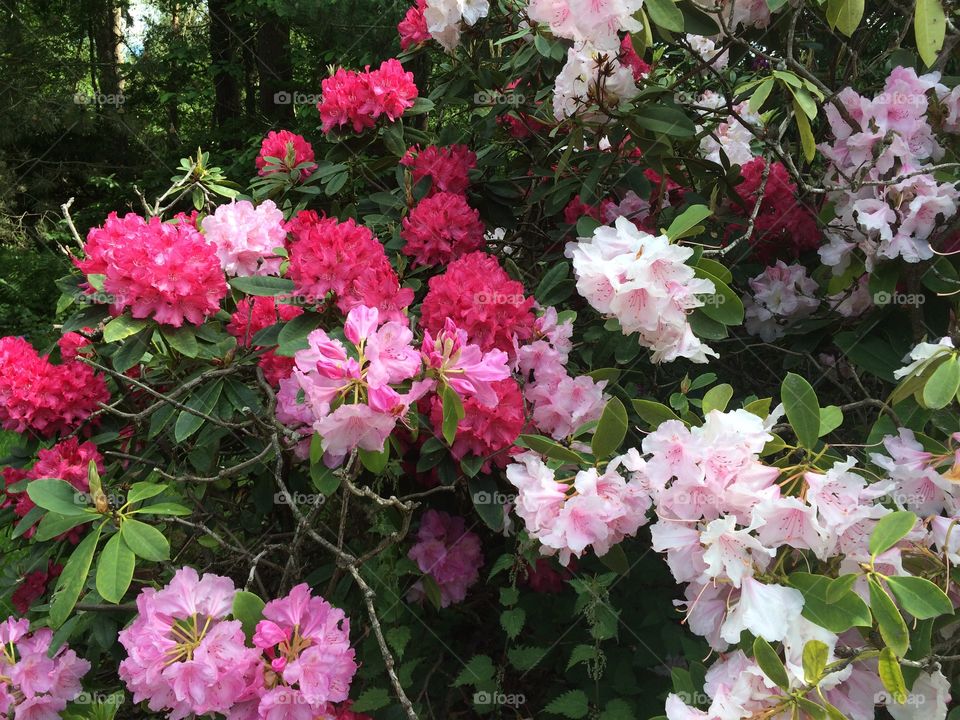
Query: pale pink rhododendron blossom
x,y
587,20
591,77
708,51
41,397
165,271
731,136
921,353
919,487
588,509
290,149
308,659
344,258
359,99
184,656
445,18
35,682
449,553
781,294
895,208
351,399
455,362
644,282
247,237
441,228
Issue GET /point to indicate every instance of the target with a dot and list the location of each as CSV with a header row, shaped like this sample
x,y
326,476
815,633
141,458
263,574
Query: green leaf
x,y
929,29
54,524
162,508
293,335
121,328
838,615
807,140
717,398
845,15
942,386
654,413
488,501
665,14
551,449
920,597
205,401
890,530
144,491
182,339
840,587
248,609
582,654
802,408
56,496
724,306
144,540
892,676
512,621
761,94
73,578
831,417
611,430
616,559
525,658
262,286
453,413
115,570
617,710
689,218
770,663
477,671
815,656
664,120
375,462
371,699
893,629
572,704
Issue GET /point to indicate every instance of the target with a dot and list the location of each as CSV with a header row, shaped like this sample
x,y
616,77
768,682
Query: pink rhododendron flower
x,y
306,642
919,487
36,684
256,314
591,77
40,397
587,20
643,281
447,167
359,99
447,552
290,149
481,299
34,586
445,18
345,259
165,271
247,237
413,27
781,294
463,366
630,59
441,228
183,656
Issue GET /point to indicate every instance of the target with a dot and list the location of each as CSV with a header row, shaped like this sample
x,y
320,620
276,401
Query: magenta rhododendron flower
x,y
287,147
447,167
165,271
40,397
441,228
413,27
463,366
256,314
247,237
359,99
447,552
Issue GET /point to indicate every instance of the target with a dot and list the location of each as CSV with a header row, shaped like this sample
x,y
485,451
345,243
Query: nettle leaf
x,y
512,621
611,430
893,629
572,704
371,699
478,670
920,597
525,658
890,530
802,408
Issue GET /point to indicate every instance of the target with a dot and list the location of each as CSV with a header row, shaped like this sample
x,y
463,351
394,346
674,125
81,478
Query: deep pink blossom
x,y
447,167
359,99
290,149
447,552
441,228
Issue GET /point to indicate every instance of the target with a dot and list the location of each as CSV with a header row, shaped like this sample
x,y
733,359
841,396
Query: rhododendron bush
x,y
582,359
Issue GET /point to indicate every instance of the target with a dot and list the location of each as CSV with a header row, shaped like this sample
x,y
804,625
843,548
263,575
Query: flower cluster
x,y
413,28
886,204
359,99
731,137
247,237
587,20
441,228
708,51
290,149
350,399
588,509
345,259
481,299
447,552
41,397
35,683
783,226
591,77
165,271
256,314
455,362
643,281
445,18
447,167
69,460
33,587
781,294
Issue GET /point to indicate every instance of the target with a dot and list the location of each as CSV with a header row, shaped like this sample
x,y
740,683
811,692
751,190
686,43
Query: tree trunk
x,y
223,45
275,69
107,34
173,107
